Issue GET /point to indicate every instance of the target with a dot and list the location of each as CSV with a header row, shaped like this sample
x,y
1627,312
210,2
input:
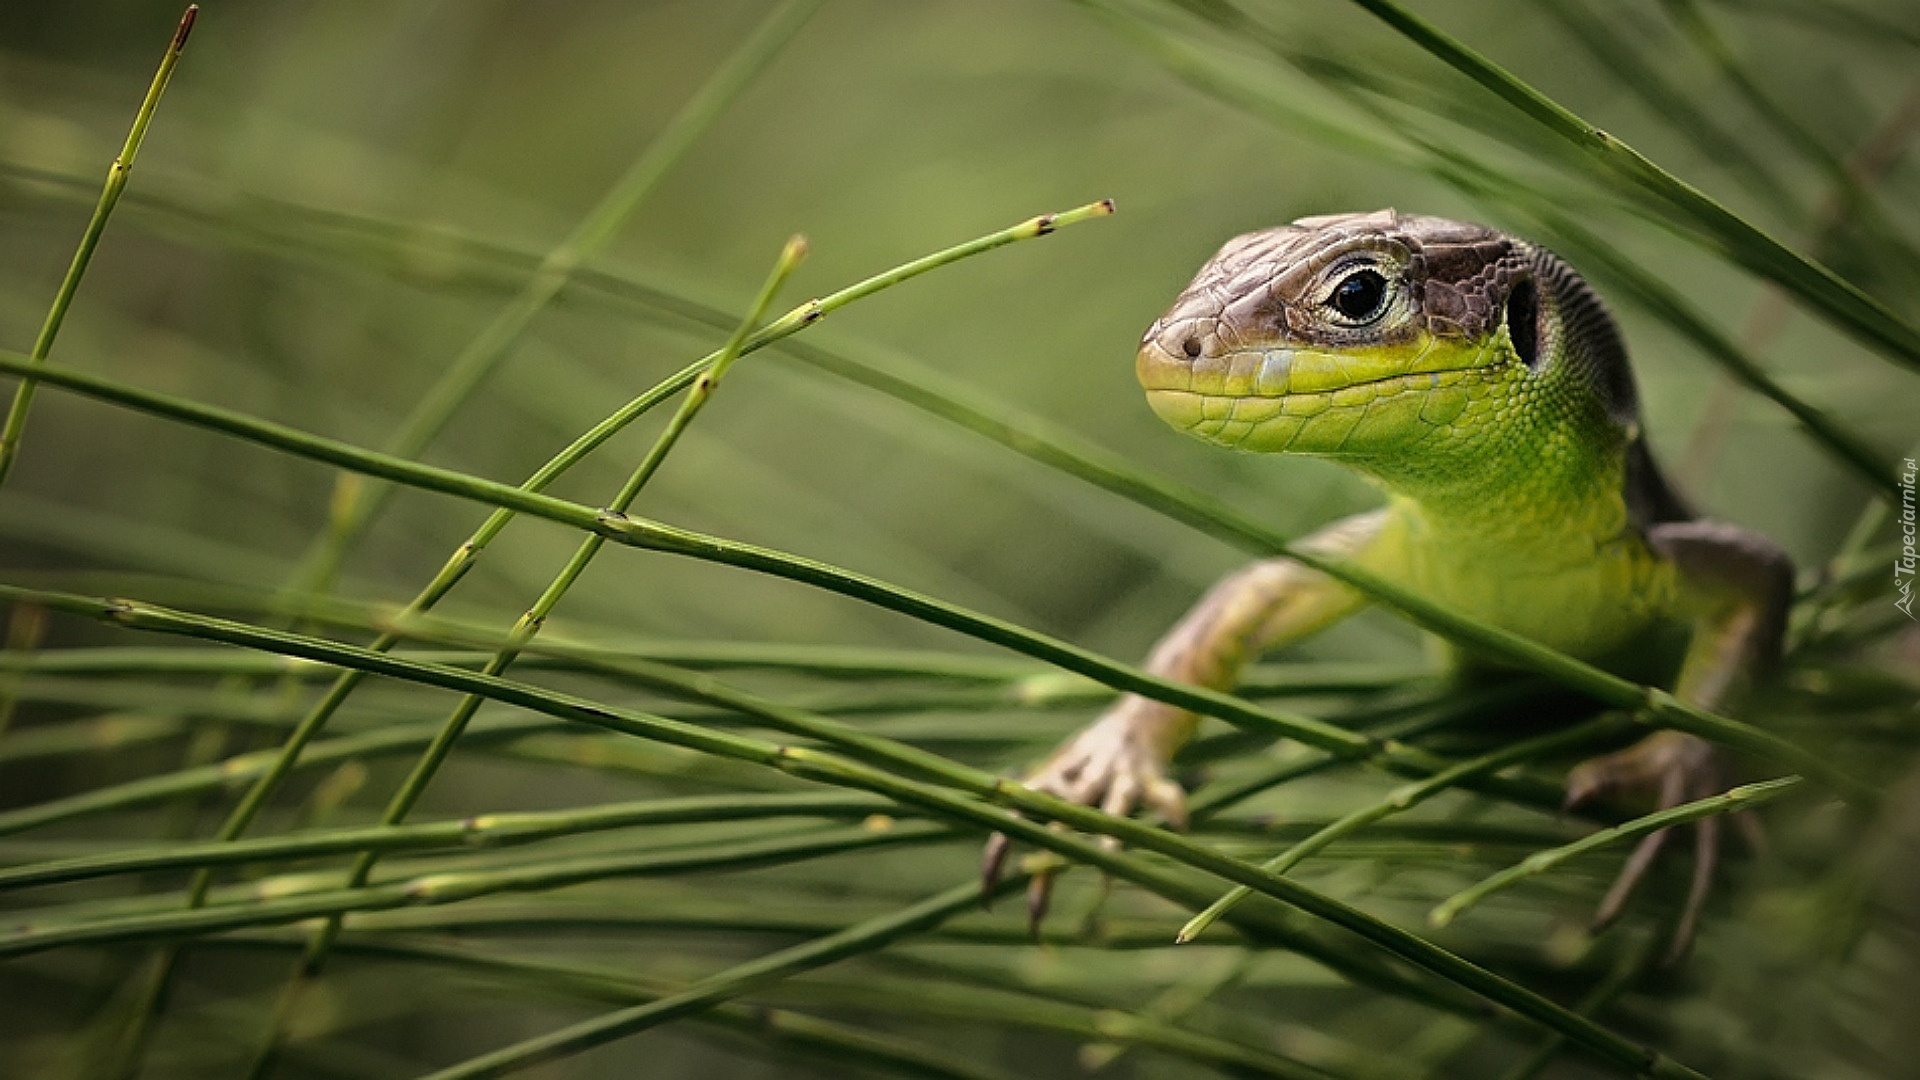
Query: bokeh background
x,y
337,197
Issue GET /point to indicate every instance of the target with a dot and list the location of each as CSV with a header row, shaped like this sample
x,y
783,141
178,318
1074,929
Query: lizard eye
x,y
1360,295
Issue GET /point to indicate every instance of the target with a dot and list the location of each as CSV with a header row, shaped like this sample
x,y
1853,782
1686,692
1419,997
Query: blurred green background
x,y
336,197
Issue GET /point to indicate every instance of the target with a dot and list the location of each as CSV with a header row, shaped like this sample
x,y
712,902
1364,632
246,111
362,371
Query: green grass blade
x,y
1835,298
117,175
1740,798
953,1003
166,916
831,661
637,532
837,1044
1864,25
480,830
1595,33
734,982
1483,183
959,807
353,506
523,632
1405,798
462,560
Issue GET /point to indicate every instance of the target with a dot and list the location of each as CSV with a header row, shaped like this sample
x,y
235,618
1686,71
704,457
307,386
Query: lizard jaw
x,y
1315,401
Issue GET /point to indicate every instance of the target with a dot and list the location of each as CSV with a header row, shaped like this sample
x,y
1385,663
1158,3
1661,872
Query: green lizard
x,y
1480,382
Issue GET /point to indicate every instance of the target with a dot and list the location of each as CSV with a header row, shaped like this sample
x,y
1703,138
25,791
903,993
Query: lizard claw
x,y
1677,768
1111,764
1039,897
991,863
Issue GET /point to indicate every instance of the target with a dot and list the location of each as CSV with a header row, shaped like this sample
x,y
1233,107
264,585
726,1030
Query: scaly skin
x,y
1481,384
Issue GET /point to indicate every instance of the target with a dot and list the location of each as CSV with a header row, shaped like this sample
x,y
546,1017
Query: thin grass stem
x,y
463,559
1477,180
831,661
166,917
26,629
1632,965
1671,104
865,937
1657,705
1405,798
760,1022
1740,798
523,631
480,830
354,506
1833,296
117,175
1864,169
958,807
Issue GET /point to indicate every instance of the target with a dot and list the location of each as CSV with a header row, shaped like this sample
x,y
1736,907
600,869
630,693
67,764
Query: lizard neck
x,y
1545,488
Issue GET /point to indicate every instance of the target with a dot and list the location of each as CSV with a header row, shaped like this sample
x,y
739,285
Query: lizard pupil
x,y
1359,294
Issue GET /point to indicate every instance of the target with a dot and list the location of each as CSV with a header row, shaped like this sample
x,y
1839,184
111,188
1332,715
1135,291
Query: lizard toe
x,y
1106,766
1676,768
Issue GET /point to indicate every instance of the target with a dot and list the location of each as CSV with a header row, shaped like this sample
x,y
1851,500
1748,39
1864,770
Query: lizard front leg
x,y
1735,588
1120,760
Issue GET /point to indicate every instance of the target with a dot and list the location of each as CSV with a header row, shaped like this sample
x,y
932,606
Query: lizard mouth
x,y
1288,399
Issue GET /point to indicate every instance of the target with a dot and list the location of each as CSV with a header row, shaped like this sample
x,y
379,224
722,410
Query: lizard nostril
x,y
1191,347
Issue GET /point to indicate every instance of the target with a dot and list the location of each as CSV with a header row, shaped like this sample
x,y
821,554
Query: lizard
x,y
1479,381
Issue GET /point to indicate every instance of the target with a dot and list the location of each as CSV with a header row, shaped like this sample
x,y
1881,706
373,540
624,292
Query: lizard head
x,y
1381,338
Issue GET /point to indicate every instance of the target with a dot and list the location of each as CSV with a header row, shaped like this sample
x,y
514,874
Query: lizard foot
x,y
1115,764
1676,768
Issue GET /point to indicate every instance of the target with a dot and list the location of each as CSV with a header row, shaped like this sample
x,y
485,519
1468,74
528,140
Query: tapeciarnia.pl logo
x,y
1904,563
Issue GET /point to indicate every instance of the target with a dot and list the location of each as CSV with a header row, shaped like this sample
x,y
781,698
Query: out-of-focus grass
x,y
336,199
